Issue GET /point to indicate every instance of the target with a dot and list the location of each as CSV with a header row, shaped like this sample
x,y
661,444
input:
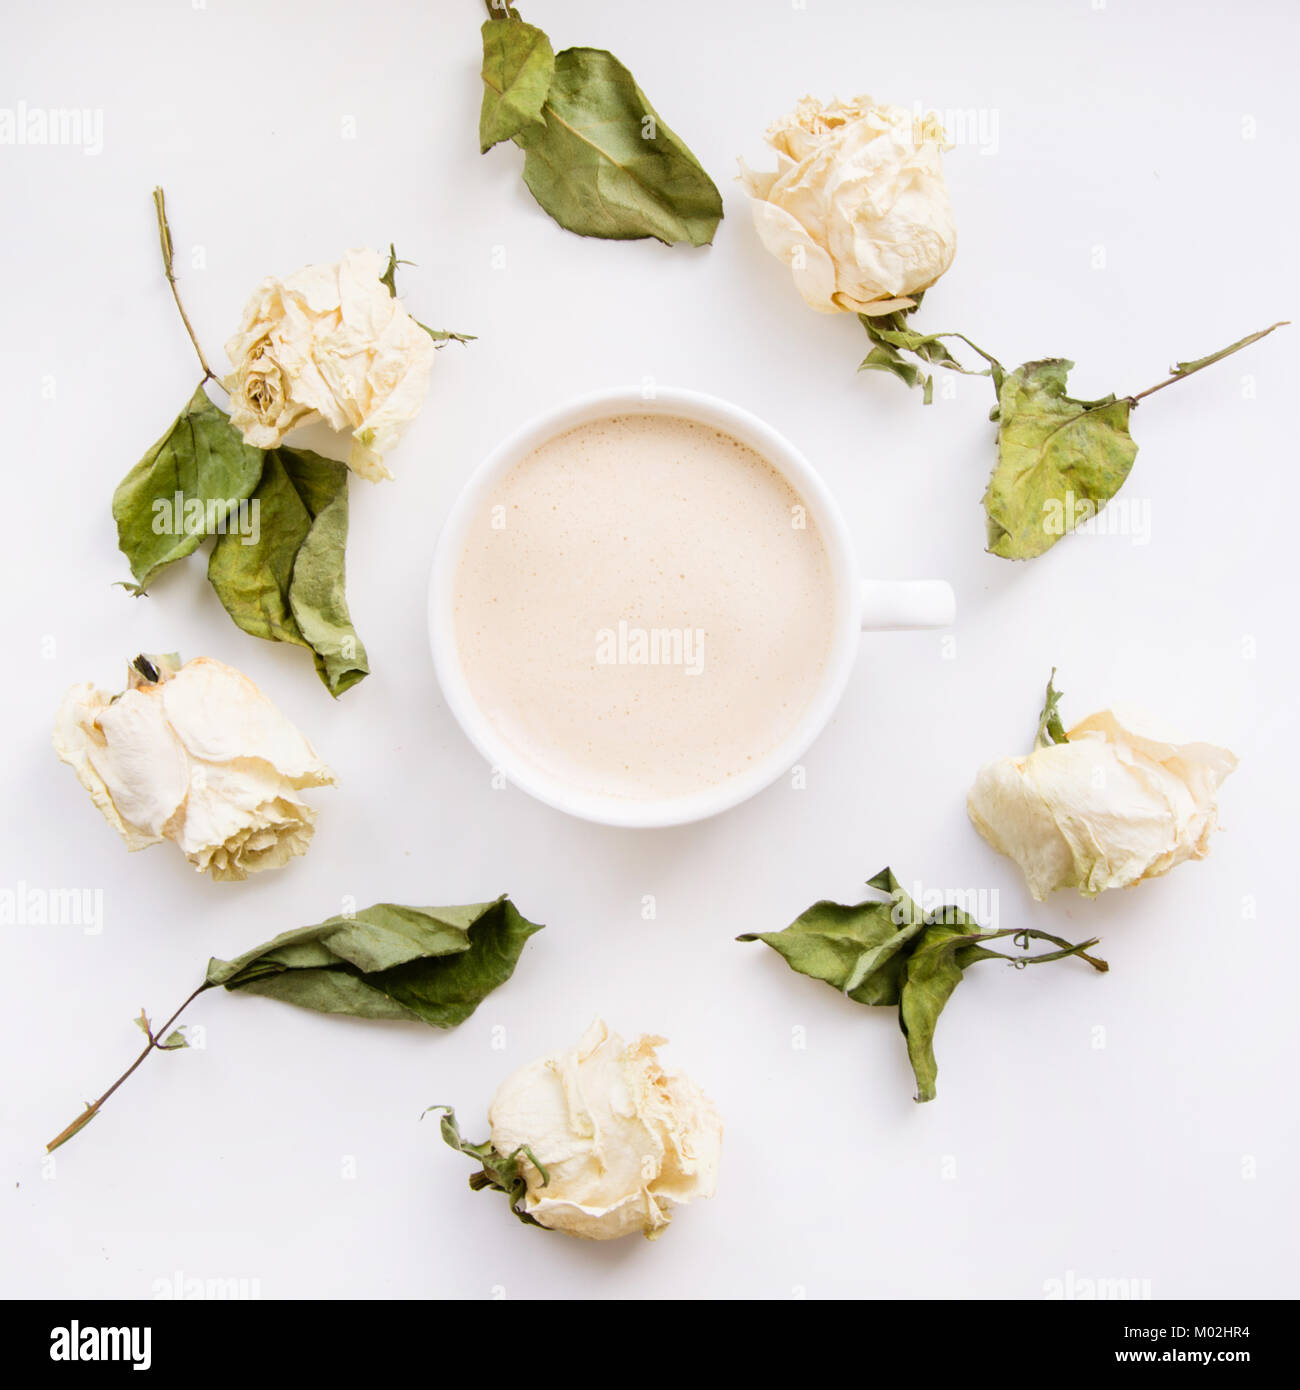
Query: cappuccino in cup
x,y
644,607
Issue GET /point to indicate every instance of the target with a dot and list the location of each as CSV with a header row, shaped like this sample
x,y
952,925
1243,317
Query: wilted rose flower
x,y
329,341
1117,803
857,206
622,1141
199,756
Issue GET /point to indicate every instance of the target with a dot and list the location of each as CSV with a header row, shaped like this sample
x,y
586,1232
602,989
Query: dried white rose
x,y
329,341
622,1141
199,756
1119,802
857,206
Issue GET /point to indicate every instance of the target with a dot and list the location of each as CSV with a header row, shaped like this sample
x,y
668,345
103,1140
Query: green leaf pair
x,y
1059,460
280,518
890,953
597,156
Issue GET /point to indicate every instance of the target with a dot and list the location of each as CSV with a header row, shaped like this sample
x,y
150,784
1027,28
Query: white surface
x,y
1168,1154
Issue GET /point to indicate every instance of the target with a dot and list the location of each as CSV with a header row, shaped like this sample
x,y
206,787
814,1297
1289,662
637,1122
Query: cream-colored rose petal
x,y
142,766
1118,803
785,237
225,800
622,1141
863,184
220,716
200,757
79,741
330,342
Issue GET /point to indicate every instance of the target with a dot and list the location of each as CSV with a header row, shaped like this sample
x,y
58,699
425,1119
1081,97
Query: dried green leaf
x,y
183,489
282,578
443,336
934,970
431,965
1050,728
859,949
518,63
892,953
498,1172
434,964
1060,460
288,584
605,164
883,358
892,338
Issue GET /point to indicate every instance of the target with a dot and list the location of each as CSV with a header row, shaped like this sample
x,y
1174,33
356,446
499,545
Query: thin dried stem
x,y
152,1045
165,241
1182,370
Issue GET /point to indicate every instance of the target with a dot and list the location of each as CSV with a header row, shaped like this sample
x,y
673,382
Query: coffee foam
x,y
639,612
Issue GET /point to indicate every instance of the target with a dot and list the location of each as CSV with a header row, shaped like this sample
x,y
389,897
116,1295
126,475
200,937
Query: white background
x,y
1159,138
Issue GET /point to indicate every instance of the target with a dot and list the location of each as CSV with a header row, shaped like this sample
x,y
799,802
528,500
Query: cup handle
x,y
894,605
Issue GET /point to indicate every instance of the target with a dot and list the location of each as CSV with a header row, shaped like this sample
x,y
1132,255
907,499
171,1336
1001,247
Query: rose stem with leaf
x,y
1050,445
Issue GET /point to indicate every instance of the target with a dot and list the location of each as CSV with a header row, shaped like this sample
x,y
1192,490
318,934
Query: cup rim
x,y
603,808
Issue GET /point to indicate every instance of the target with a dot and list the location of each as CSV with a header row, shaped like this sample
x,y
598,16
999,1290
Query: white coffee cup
x,y
861,605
